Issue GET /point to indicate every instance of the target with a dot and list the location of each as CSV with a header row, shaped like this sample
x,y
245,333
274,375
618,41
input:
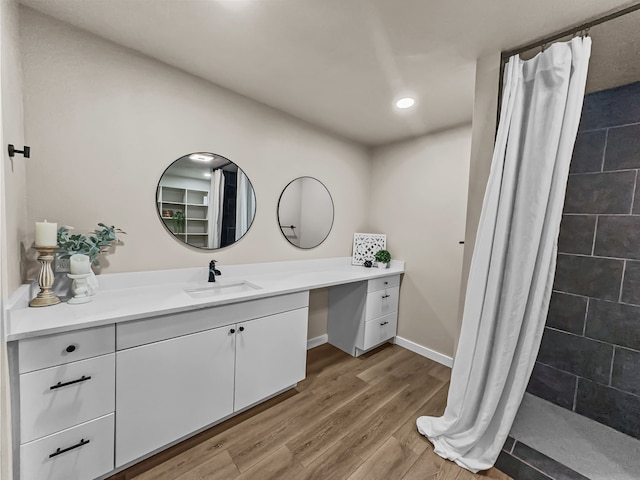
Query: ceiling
x,y
336,64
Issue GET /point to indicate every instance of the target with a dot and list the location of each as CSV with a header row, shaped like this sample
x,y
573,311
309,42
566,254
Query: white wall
x,y
105,123
13,208
316,212
419,199
290,211
13,132
485,116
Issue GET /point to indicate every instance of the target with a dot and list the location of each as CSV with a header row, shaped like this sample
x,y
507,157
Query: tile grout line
x,y
626,304
587,338
597,256
609,127
602,172
613,358
575,395
579,214
633,193
604,149
624,270
578,377
595,231
584,323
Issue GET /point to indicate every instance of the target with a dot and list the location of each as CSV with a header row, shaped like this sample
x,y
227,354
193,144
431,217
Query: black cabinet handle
x,y
241,329
386,283
71,348
384,323
461,242
61,384
386,296
233,330
60,451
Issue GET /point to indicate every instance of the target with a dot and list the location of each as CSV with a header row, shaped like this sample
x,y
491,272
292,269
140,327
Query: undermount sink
x,y
221,289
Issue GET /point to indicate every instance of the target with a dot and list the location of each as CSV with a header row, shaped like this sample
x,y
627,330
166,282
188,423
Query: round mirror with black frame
x,y
205,200
305,212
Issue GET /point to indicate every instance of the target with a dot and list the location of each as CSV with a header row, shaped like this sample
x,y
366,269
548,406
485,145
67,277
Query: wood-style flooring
x,y
351,418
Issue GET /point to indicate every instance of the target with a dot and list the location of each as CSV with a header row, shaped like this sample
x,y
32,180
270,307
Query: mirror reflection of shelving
x,y
205,200
190,224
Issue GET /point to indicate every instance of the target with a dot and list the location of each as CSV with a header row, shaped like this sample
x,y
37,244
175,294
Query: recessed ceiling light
x,y
405,102
200,157
207,174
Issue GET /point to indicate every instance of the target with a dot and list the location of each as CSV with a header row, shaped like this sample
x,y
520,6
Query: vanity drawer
x,y
378,330
87,391
85,452
141,332
51,350
381,283
382,302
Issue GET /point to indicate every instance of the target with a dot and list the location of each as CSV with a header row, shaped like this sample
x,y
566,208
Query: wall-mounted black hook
x,y
26,152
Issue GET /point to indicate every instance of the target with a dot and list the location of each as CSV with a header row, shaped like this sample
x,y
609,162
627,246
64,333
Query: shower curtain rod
x,y
504,57
572,31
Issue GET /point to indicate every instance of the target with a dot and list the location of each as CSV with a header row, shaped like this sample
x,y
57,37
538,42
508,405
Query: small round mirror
x,y
205,200
305,212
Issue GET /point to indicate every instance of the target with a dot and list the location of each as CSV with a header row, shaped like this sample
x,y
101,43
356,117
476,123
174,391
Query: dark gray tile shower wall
x,y
589,359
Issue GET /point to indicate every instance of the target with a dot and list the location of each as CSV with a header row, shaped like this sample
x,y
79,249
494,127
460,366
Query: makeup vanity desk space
x,y
186,357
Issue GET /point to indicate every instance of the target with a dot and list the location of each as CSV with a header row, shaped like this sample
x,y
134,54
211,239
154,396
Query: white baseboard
x,y
425,352
317,341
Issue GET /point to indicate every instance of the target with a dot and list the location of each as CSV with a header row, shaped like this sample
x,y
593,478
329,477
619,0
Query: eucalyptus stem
x,y
91,245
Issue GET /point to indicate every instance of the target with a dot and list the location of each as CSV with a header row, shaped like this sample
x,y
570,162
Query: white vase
x,y
382,265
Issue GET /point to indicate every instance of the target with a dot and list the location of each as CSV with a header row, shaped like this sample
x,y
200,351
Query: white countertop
x,y
124,297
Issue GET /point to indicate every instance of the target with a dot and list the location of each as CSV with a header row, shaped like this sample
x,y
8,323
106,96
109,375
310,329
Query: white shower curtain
x,y
245,204
514,258
214,214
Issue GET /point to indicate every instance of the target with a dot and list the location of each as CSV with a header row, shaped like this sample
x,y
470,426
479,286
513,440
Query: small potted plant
x,y
383,257
92,246
178,221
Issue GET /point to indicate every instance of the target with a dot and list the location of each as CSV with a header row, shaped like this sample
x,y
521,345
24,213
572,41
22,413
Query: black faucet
x,y
212,271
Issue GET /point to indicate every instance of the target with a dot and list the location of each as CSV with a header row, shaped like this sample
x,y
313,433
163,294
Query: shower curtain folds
x,y
214,214
513,263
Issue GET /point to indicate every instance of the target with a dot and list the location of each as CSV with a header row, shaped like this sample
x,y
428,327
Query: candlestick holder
x,y
46,296
80,288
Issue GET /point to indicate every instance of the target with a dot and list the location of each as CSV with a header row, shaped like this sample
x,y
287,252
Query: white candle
x,y
46,234
79,264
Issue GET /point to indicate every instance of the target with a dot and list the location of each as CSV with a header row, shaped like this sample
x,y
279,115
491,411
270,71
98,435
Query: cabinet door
x,y
169,389
271,354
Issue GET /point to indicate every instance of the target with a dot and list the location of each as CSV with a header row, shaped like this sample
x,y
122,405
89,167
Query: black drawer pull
x,y
386,296
60,384
241,329
71,349
386,283
384,323
233,330
60,451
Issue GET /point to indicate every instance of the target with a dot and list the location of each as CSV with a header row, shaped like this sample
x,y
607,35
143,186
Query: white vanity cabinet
x,y
168,389
363,315
178,375
67,399
271,355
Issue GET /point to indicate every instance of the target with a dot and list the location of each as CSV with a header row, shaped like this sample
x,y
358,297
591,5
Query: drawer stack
x,y
67,404
381,312
363,315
